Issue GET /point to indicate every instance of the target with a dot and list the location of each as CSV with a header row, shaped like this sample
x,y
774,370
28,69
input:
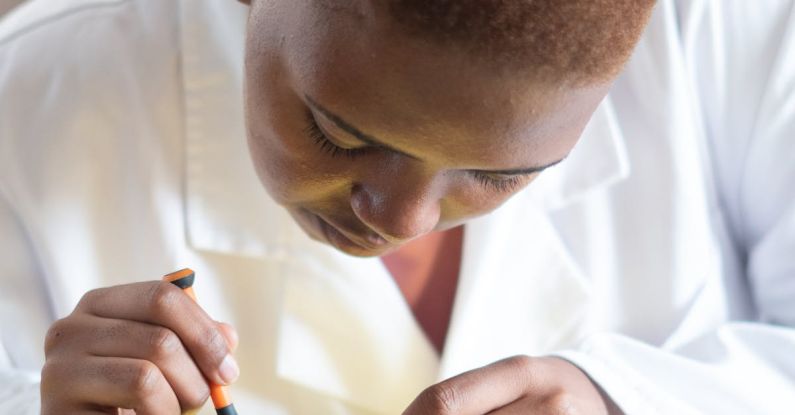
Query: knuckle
x,y
523,369
144,380
163,342
90,297
195,398
56,385
521,362
441,399
54,395
561,403
214,343
162,298
51,373
56,334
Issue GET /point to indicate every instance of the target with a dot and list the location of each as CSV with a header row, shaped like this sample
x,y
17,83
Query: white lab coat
x,y
660,257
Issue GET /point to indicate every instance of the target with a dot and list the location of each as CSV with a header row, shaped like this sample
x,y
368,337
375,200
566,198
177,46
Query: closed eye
x,y
494,181
327,146
500,182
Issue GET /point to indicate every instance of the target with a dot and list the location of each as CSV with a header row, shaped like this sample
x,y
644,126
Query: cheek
x,y
467,202
468,199
279,173
288,162
289,166
273,124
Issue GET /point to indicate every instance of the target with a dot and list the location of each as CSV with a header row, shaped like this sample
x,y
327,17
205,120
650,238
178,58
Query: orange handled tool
x,y
184,279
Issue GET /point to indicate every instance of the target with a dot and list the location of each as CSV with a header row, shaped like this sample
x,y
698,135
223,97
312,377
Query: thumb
x,y
230,334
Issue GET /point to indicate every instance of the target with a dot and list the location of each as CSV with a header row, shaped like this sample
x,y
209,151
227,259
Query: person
x,y
407,253
7,5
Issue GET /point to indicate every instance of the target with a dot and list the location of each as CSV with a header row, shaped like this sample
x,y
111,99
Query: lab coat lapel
x,y
598,161
346,331
237,219
520,291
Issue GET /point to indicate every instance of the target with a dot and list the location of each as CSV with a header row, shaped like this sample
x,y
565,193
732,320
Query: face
x,y
370,138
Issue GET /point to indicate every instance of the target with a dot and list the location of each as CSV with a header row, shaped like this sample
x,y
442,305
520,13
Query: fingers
x,y
163,304
559,404
230,334
156,344
147,347
111,382
479,391
518,385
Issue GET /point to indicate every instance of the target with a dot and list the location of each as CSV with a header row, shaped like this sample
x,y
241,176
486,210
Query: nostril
x,y
375,239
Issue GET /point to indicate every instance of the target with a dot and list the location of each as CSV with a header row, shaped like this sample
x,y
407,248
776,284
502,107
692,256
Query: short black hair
x,y
578,42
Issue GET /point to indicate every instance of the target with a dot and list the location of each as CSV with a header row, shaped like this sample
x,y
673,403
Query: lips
x,y
370,242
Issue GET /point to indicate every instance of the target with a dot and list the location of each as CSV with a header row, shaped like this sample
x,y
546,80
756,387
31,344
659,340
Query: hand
x,y
518,385
144,347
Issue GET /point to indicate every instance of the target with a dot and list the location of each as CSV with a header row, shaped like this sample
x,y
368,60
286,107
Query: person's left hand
x,y
519,385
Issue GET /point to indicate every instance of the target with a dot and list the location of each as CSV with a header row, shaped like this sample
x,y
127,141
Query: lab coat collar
x,y
226,208
519,291
598,161
345,330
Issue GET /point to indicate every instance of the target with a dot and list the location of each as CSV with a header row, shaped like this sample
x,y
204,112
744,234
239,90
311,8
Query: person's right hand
x,y
142,347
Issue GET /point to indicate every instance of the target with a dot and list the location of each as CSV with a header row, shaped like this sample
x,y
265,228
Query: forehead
x,y
428,100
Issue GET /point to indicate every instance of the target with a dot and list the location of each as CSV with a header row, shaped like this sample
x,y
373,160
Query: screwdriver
x,y
184,279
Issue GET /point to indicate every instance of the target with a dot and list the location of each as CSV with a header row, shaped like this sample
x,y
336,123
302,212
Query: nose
x,y
397,209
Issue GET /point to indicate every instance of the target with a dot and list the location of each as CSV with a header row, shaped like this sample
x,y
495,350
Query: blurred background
x,y
6,5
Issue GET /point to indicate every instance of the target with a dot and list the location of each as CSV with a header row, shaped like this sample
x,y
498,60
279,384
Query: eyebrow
x,y
372,141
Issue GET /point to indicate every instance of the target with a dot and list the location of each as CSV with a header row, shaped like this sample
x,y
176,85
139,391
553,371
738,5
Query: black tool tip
x,y
185,282
227,410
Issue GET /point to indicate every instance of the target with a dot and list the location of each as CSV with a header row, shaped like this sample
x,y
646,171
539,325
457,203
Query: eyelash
x,y
315,133
327,146
502,185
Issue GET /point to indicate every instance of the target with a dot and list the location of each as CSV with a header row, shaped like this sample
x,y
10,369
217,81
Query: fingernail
x,y
229,370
